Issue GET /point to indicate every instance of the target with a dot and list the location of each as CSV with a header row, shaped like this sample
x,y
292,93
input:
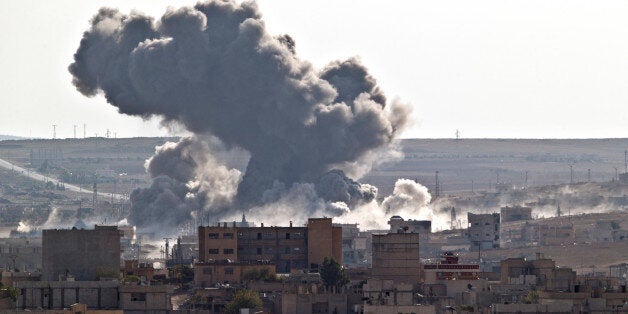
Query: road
x,y
39,177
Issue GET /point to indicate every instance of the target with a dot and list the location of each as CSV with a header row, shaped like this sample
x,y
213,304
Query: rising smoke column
x,y
214,69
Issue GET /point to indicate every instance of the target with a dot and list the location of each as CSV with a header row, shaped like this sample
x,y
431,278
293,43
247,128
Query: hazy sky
x,y
548,69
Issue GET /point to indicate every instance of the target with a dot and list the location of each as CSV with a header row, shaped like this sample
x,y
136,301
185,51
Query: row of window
x,y
226,235
217,251
268,235
269,250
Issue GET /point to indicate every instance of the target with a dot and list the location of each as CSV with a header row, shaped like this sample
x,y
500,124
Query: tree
x,y
243,299
332,274
532,297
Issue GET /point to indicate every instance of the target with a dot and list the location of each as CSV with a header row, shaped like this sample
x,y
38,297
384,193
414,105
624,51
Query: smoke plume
x,y
214,69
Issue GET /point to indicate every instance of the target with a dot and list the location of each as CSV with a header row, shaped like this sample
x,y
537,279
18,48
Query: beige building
x,y
483,230
93,294
83,254
548,277
289,248
396,257
388,296
208,274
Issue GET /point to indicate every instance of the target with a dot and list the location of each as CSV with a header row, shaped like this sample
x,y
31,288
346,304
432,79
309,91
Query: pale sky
x,y
510,69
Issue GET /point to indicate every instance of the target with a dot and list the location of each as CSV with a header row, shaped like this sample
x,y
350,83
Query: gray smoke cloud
x,y
214,69
187,178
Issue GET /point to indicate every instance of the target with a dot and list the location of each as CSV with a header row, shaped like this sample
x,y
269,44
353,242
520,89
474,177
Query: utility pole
x,y
616,177
525,185
571,174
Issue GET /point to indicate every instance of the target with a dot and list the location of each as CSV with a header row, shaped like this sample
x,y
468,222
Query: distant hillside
x,y
463,165
10,137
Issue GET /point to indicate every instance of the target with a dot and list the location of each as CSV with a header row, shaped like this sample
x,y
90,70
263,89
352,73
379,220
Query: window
x,y
207,271
259,235
287,250
228,270
138,296
240,235
259,251
287,235
213,251
213,235
228,235
227,251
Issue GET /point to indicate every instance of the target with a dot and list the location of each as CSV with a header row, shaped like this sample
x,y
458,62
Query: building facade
x,y
483,231
83,254
289,248
396,257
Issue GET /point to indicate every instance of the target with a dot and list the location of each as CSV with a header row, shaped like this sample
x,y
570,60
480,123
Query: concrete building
x,y
388,296
483,230
515,213
422,227
312,302
396,257
356,246
228,272
22,254
546,275
84,254
289,248
94,294
450,269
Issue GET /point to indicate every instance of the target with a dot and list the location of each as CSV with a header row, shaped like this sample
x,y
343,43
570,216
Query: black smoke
x,y
214,69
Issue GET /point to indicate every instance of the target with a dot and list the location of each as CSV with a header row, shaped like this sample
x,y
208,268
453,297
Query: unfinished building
x,y
82,254
396,257
483,231
515,213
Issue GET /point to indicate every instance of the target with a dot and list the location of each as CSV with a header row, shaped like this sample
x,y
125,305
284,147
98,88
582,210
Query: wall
x,y
84,253
396,257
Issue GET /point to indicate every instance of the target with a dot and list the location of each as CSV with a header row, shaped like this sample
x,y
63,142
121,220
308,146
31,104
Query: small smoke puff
x,y
407,194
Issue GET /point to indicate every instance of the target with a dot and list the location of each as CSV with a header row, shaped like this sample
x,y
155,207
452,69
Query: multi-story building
x,y
396,257
20,254
483,231
289,248
356,245
83,254
422,227
515,213
545,274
